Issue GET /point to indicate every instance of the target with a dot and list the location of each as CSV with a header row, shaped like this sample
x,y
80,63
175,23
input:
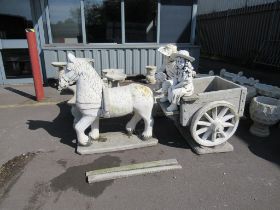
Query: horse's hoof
x,y
145,138
129,133
86,145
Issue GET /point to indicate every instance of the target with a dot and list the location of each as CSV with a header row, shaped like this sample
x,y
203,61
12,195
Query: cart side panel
x,y
189,108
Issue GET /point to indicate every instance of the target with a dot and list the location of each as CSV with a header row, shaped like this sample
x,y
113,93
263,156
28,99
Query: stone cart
x,y
212,114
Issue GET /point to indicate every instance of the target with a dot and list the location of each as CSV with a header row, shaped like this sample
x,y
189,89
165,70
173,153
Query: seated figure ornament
x,y
167,71
183,79
93,101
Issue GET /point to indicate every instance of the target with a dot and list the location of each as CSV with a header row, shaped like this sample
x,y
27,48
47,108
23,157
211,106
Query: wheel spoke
x,y
223,133
227,124
214,135
228,117
208,117
214,112
201,130
204,123
206,134
223,112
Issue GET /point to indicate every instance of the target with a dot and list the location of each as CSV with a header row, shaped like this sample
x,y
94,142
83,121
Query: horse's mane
x,y
89,75
84,68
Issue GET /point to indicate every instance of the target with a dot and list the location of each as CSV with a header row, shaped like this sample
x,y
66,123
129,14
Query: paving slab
x,y
25,95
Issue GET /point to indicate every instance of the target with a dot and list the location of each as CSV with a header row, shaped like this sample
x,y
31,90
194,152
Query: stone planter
x,y
264,111
150,75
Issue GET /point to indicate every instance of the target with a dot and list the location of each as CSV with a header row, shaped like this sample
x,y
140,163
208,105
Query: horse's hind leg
x,y
146,114
130,126
94,133
80,128
148,131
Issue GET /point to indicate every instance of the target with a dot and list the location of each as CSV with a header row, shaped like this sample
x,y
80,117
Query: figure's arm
x,y
182,83
185,80
160,76
175,81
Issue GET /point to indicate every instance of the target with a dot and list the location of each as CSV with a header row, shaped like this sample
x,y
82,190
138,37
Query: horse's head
x,y
72,72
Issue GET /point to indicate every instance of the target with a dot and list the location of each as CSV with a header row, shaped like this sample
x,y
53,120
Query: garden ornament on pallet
x,y
167,71
95,101
268,90
230,76
182,81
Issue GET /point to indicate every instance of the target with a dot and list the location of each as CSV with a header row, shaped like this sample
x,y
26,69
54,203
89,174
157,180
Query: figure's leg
x,y
94,133
130,126
176,96
80,128
165,86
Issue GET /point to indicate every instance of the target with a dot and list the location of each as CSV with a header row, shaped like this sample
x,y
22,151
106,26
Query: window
x,y
16,63
65,21
140,20
15,17
103,21
175,21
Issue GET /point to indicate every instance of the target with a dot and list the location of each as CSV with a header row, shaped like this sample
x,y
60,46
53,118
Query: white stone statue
x,y
94,101
167,71
183,80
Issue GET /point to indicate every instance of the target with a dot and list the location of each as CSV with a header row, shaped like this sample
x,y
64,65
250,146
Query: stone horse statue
x,y
94,100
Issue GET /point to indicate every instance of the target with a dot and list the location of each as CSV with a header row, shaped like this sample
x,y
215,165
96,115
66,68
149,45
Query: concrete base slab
x,y
200,150
115,141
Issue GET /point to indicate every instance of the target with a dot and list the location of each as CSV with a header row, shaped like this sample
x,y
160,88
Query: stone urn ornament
x,y
150,74
265,112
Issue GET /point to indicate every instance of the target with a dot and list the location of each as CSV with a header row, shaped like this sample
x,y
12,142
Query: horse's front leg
x,y
94,133
80,128
76,114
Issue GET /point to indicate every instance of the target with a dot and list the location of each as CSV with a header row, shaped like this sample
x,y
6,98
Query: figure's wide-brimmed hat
x,y
168,49
183,54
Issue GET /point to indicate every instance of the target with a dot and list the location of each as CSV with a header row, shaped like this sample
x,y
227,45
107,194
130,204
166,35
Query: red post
x,y
34,58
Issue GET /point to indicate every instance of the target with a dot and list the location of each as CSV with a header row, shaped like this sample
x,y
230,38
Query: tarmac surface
x,y
247,178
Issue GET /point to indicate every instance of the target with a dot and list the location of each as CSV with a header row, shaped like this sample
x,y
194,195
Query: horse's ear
x,y
71,57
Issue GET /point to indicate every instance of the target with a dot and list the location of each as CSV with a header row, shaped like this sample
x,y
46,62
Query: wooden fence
x,y
249,34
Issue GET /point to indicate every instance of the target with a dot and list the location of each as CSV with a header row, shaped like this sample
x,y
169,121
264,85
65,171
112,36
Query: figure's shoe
x,y
172,108
163,99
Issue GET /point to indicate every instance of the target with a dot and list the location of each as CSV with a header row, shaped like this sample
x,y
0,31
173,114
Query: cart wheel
x,y
214,123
